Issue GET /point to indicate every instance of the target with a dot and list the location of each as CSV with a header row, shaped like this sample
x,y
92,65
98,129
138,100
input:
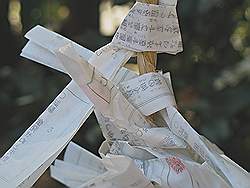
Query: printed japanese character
x,y
110,134
166,44
131,24
144,86
142,42
39,122
139,11
150,44
154,13
136,90
146,13
171,14
51,108
129,39
144,27
137,26
135,40
175,29
152,19
173,44
157,81
158,44
22,140
116,37
160,28
151,83
57,102
124,24
168,29
133,11
129,93
151,28
122,36
28,133
34,128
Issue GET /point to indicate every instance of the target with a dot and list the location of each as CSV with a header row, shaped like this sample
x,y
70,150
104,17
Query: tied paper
x,y
110,101
149,93
137,152
149,27
110,172
62,118
78,166
109,59
43,44
234,175
169,170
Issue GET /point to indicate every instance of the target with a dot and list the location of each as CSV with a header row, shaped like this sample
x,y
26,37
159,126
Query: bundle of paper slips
x,y
138,152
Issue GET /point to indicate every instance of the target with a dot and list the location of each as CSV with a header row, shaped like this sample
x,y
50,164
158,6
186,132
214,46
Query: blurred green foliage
x,y
211,78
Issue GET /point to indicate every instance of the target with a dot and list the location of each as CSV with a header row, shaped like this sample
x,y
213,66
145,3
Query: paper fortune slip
x,y
150,27
149,144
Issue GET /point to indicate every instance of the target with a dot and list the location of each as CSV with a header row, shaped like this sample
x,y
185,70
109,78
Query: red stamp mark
x,y
176,164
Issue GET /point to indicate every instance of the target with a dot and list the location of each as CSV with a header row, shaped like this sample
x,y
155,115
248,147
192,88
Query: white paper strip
x,y
64,177
149,27
177,173
100,91
52,41
80,157
120,172
171,169
233,175
41,48
148,93
28,182
46,137
41,55
43,44
109,59
111,103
